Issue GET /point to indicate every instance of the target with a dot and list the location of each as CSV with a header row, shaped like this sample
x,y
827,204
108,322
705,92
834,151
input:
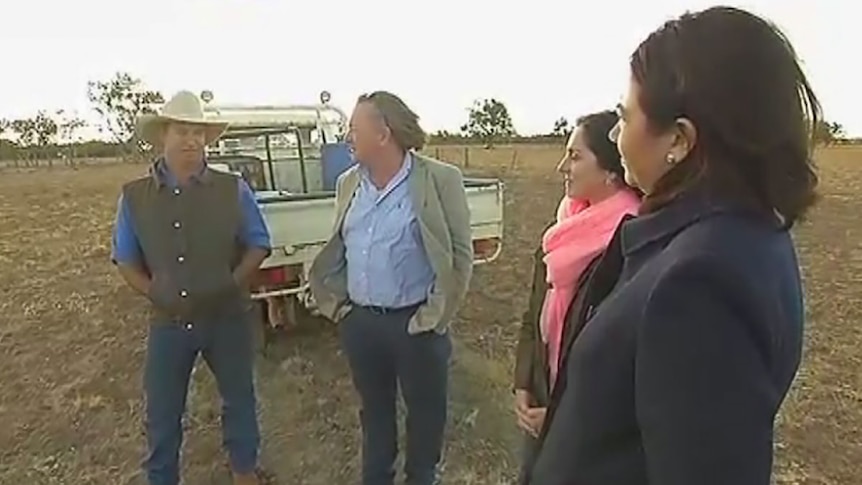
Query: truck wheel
x,y
297,313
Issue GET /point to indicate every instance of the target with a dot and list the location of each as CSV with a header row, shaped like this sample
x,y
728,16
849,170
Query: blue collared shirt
x,y
126,248
386,261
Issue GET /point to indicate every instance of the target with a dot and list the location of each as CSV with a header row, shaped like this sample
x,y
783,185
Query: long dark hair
x,y
738,80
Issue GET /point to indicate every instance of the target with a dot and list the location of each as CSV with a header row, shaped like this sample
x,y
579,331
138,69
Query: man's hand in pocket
x,y
166,297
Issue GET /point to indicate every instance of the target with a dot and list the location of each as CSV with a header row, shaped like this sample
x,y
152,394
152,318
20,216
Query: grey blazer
x,y
440,203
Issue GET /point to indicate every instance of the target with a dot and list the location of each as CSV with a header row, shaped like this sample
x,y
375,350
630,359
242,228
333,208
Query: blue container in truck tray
x,y
335,159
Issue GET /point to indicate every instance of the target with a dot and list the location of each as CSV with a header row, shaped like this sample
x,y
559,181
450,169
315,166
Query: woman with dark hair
x,y
693,317
596,199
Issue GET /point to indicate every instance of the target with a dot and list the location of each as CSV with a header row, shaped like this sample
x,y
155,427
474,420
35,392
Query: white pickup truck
x,y
282,152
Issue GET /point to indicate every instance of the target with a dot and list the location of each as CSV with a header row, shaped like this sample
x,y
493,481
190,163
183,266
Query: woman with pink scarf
x,y
595,201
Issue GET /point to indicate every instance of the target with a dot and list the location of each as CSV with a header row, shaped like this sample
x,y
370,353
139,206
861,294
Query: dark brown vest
x,y
189,235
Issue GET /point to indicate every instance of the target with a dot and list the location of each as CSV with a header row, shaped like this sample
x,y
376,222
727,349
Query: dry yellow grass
x,y
71,343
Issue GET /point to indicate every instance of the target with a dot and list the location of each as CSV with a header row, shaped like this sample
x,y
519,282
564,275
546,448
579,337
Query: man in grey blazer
x,y
392,275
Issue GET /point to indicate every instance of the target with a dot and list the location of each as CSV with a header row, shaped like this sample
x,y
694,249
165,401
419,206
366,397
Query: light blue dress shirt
x,y
386,261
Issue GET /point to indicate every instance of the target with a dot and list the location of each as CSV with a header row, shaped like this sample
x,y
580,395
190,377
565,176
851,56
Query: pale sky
x,y
543,58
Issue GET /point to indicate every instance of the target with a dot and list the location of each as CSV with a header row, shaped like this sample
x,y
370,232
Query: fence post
x,y
466,156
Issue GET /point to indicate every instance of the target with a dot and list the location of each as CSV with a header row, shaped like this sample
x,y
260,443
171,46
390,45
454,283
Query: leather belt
x,y
381,310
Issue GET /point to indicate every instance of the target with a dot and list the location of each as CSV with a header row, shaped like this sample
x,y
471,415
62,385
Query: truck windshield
x,y
270,159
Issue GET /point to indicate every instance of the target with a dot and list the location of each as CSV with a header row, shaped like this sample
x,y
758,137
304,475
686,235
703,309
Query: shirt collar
x,y
400,175
162,175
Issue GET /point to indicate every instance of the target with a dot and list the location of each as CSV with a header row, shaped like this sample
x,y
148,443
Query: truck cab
x,y
281,149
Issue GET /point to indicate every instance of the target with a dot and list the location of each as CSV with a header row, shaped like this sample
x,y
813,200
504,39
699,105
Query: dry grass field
x,y
71,341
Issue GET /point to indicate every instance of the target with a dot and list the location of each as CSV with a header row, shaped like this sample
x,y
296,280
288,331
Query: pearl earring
x,y
670,159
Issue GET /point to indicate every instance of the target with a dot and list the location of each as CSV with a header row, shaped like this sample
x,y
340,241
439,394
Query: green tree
x,y
488,120
119,101
24,130
45,130
35,135
827,133
561,128
67,127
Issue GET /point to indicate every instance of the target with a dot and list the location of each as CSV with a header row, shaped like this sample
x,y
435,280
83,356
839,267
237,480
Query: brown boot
x,y
246,479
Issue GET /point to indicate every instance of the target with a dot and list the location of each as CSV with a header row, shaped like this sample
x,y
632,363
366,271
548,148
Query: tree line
x,y
118,101
121,99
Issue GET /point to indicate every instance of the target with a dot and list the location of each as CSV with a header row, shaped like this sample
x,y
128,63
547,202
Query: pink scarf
x,y
581,233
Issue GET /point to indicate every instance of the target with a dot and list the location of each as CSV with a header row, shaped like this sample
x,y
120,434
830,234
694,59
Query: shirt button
x,y
369,230
180,259
177,224
177,191
188,326
184,293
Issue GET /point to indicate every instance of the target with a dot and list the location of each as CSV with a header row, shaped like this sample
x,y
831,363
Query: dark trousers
x,y
382,356
227,348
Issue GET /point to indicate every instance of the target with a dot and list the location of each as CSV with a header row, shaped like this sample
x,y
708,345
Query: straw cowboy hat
x,y
183,107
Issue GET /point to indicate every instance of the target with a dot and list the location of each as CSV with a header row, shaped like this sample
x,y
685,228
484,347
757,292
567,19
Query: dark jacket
x,y
677,375
531,357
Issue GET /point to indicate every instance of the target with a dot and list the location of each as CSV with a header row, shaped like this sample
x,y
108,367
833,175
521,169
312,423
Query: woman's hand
x,y
535,419
522,406
522,400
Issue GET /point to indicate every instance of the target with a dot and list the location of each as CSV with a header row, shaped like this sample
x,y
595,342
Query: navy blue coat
x,y
687,342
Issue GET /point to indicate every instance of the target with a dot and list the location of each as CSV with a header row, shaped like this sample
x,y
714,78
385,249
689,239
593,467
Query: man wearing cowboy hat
x,y
189,238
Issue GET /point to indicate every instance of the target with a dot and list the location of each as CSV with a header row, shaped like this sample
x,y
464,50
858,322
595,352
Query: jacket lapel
x,y
418,187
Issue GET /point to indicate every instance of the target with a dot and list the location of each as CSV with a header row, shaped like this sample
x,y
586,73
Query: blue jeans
x,y
227,348
383,355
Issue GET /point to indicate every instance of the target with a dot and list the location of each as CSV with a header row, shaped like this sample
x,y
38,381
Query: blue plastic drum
x,y
335,159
